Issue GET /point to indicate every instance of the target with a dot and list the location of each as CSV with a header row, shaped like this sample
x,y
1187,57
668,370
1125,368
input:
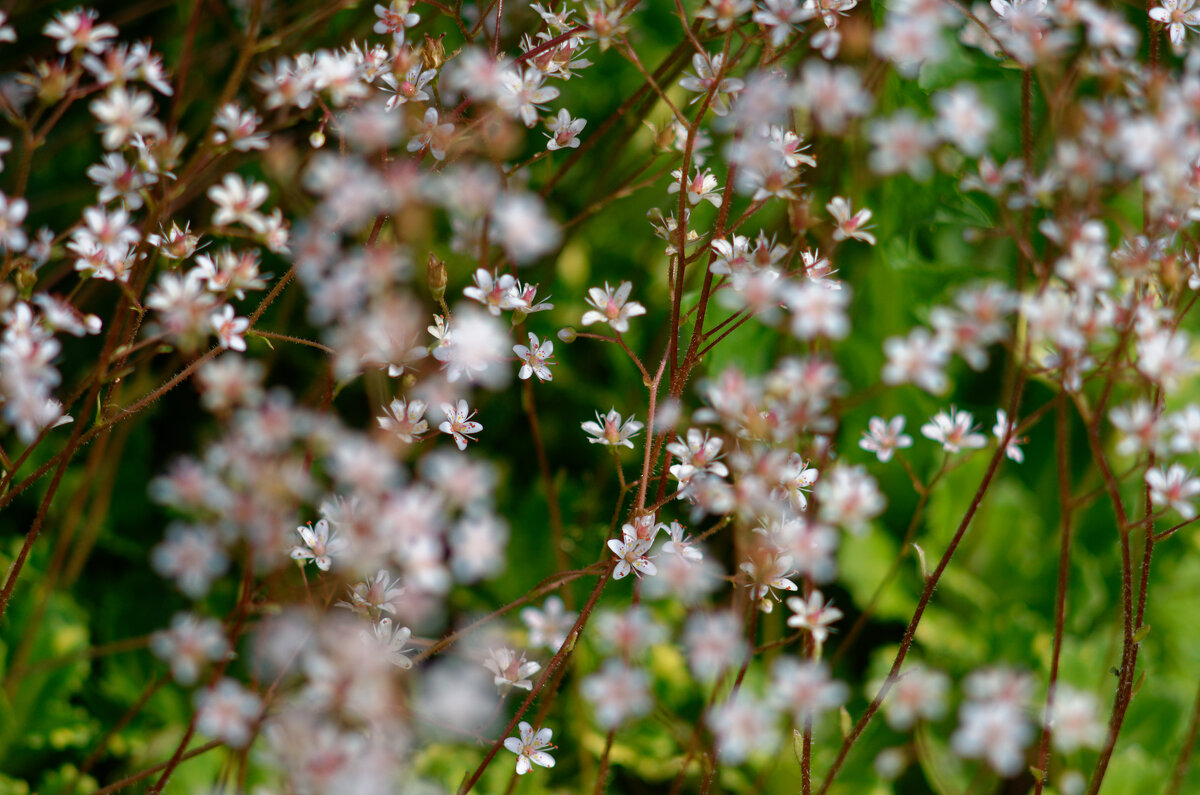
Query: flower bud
x,y
567,334
435,276
317,139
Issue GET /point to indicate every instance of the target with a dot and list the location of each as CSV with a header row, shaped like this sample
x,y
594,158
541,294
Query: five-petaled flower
x,y
320,545
529,747
229,328
611,431
815,615
1178,16
612,307
953,431
885,437
459,423
536,359
1174,486
631,552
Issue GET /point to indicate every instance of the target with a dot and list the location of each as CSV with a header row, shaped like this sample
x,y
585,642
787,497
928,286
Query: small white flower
x,y
954,431
320,545
535,358
884,437
529,747
459,423
612,307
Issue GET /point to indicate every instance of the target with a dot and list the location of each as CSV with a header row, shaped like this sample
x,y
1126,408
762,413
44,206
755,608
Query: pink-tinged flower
x,y
917,694
191,642
766,571
954,431
617,692
884,437
192,557
612,307
564,131
529,747
697,455
433,135
611,431
124,115
227,712
919,358
238,128
406,419
850,225
1178,16
631,552
804,688
536,359
1074,720
320,544
459,423
702,187
497,293
510,669
78,29
238,200
395,18
549,626
814,615
681,545
411,88
229,328
744,725
522,94
379,594
708,70
1175,487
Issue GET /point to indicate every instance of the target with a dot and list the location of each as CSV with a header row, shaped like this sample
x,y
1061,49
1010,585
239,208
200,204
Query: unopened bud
x,y
26,279
317,139
435,276
567,334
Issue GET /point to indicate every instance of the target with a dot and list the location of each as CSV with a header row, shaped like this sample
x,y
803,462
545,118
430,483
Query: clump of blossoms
x,y
836,236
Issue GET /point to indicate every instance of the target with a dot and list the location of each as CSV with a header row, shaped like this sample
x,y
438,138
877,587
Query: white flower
x,y
535,358
611,431
918,693
229,328
529,747
459,423
189,643
320,545
549,626
392,639
814,615
227,712
850,225
564,131
617,692
1175,487
238,200
124,115
919,358
406,419
631,551
883,437
954,431
1178,16
612,307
